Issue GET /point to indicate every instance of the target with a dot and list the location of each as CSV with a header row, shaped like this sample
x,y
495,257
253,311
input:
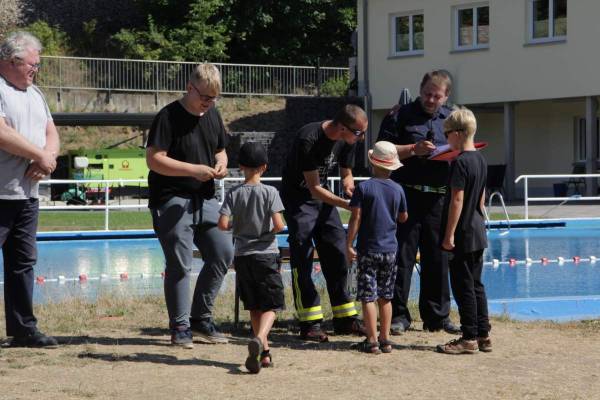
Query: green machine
x,y
109,164
104,164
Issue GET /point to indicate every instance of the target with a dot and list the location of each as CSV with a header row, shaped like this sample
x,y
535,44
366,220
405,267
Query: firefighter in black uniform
x,y
313,219
417,132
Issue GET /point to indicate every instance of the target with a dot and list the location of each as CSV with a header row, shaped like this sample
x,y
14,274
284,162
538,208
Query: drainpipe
x,y
370,139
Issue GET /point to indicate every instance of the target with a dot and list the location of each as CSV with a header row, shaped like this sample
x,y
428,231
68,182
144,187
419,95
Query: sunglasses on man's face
x,y
355,132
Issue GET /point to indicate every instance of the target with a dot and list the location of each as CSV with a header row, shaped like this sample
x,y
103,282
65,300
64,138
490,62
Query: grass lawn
x,y
120,219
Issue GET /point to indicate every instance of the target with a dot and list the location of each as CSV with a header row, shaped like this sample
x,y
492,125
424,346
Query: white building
x,y
529,69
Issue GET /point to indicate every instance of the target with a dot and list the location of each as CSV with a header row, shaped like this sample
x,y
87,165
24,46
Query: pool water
x,y
525,290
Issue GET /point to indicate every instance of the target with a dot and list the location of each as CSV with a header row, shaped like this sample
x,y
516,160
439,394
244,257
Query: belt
x,y
427,189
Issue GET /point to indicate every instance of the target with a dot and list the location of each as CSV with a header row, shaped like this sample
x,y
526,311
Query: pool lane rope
x,y
124,276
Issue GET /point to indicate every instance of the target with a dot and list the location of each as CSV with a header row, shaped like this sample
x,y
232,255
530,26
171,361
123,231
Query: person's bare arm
x,y
14,143
35,170
221,164
278,224
402,217
421,148
353,225
223,223
314,186
347,181
456,205
158,161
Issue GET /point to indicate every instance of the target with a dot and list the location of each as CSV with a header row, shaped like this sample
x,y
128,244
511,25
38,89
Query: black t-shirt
x,y
189,138
313,150
469,173
412,125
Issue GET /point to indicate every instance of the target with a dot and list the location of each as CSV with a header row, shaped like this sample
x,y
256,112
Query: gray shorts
x,y
376,276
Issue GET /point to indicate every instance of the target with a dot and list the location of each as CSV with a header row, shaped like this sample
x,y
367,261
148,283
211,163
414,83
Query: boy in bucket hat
x,y
256,211
377,205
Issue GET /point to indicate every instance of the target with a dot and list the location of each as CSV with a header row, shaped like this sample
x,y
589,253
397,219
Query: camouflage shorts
x,y
376,276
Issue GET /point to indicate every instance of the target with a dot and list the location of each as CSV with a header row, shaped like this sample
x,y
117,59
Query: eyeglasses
x,y
355,132
448,132
36,66
204,97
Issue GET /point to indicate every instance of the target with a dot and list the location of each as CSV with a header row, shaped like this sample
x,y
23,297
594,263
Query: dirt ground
x,y
114,360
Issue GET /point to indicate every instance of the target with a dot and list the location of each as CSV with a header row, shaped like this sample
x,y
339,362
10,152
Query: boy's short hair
x,y
461,119
253,155
209,75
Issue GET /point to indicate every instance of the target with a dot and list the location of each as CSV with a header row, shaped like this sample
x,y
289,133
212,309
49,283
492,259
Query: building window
x,y
407,34
548,20
581,142
472,27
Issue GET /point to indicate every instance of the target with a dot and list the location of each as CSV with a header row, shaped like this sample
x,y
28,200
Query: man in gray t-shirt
x,y
29,145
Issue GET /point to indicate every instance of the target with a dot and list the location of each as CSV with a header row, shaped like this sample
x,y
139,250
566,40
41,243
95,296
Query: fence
x,y
563,199
107,74
103,186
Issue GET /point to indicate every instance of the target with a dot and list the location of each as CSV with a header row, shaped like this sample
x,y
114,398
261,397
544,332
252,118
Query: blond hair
x,y
209,75
461,119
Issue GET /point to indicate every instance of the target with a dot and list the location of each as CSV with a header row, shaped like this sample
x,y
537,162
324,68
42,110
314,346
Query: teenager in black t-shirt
x,y
463,229
311,215
185,153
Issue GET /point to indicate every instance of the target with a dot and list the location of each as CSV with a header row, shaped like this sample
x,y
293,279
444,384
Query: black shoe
x,y
182,337
37,339
207,330
451,328
349,326
446,325
313,333
397,328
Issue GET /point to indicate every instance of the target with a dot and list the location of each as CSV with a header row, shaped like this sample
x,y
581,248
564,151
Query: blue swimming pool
x,y
525,288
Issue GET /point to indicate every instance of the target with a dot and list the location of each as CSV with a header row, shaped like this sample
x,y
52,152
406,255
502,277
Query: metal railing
x,y
109,74
564,199
104,186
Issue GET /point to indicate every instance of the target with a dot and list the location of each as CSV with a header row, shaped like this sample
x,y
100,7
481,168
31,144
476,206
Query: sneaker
x,y
349,326
182,337
36,339
255,349
313,333
485,344
208,332
397,328
459,346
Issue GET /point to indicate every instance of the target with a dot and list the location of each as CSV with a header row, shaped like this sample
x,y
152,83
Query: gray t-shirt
x,y
27,112
252,207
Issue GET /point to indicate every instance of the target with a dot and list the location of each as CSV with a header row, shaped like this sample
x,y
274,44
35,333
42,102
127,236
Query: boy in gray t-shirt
x,y
256,209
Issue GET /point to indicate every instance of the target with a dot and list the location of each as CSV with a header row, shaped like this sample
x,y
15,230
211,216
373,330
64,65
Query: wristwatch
x,y
412,150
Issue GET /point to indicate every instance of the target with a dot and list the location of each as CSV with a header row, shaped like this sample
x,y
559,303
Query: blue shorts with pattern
x,y
376,276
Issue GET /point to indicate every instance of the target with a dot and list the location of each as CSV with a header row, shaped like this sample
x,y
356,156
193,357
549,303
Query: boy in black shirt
x,y
464,235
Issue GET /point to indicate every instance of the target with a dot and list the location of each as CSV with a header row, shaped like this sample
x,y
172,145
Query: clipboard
x,y
443,153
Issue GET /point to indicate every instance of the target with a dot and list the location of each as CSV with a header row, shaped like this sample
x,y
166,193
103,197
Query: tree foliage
x,y
190,34
10,15
54,40
291,31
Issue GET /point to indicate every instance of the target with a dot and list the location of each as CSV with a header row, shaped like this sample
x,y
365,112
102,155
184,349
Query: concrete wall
x,y
99,101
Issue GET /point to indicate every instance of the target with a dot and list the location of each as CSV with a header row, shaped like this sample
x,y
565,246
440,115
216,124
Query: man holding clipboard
x,y
418,132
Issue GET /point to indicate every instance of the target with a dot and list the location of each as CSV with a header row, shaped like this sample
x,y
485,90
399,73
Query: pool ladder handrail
x,y
491,198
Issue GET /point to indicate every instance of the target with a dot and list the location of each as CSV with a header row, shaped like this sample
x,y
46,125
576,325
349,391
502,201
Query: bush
x,y
54,40
336,87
